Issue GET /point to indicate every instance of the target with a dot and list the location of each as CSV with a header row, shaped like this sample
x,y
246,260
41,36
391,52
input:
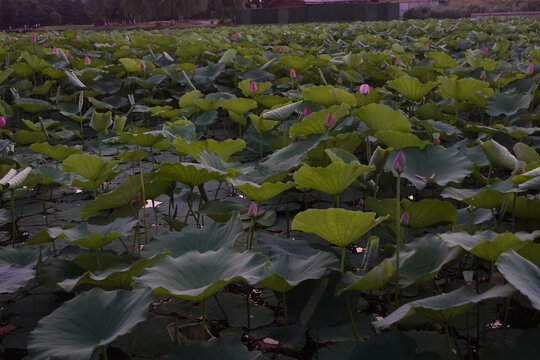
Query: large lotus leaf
x,y
382,117
224,148
375,279
90,320
14,277
262,192
299,63
460,90
35,62
245,87
190,173
95,236
57,152
442,59
283,112
91,167
433,164
522,274
481,198
5,74
207,73
508,104
118,277
328,95
525,153
157,139
429,212
286,272
189,98
215,161
314,123
411,87
131,65
33,105
90,260
196,276
239,105
272,101
121,195
149,83
101,121
333,179
211,237
337,226
526,208
487,245
25,137
498,155
399,140
428,256
446,307
262,125
221,348
21,256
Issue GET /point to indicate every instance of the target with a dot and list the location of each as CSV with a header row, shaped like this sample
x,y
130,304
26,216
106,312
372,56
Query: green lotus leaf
x,y
531,252
131,65
337,226
14,277
118,277
189,98
333,179
341,155
21,70
207,73
25,137
42,89
21,256
525,153
328,95
481,198
134,155
91,167
433,164
226,347
487,245
221,211
95,236
228,56
212,237
286,272
381,117
101,121
526,208
517,132
121,195
299,63
283,112
411,87
314,123
5,74
224,148
157,139
190,173
508,104
90,260
149,83
239,106
446,307
237,118
522,274
107,314
498,155
262,125
215,161
374,97
195,276
33,105
56,152
101,105
442,60
271,101
245,87
35,62
262,192
375,279
399,140
429,212
460,90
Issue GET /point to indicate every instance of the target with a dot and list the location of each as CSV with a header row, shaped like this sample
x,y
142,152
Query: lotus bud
x,y
76,38
33,38
413,56
398,61
253,86
531,58
364,89
400,163
404,218
299,78
483,75
253,209
379,157
54,50
114,44
127,38
339,80
87,60
520,168
143,66
307,111
329,120
2,121
484,51
169,33
436,139
530,69
15,39
69,56
280,48
288,93
234,36
292,73
426,47
501,75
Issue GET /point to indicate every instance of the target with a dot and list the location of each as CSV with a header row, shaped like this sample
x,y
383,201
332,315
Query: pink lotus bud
x,y
339,80
55,50
530,69
253,86
234,36
127,37
253,209
364,89
483,75
143,66
413,56
426,47
400,163
398,61
329,120
292,73
69,56
76,39
280,48
307,111
288,93
114,44
2,121
501,75
436,141
299,77
531,58
87,60
404,218
15,39
33,37
484,51
169,33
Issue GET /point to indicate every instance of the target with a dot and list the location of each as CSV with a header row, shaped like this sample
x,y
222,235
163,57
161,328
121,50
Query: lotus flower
x,y
234,36
280,48
436,139
307,111
2,121
329,120
426,47
292,73
530,69
404,219
299,77
33,37
339,80
114,44
69,56
253,209
127,37
76,39
55,50
15,38
485,51
143,66
87,60
398,61
364,89
253,86
400,163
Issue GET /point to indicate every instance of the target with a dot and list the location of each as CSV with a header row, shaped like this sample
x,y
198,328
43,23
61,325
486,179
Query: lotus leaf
x,y
460,89
14,277
375,279
411,87
341,155
106,315
57,152
228,348
522,274
262,125
225,148
486,244
239,106
157,139
91,167
283,112
189,98
262,192
191,174
328,95
244,86
525,153
399,140
215,161
508,104
498,155
333,179
131,65
381,117
337,226
314,123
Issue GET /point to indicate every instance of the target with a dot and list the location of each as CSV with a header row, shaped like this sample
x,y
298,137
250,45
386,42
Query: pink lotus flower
x,y
299,77
426,47
364,89
339,80
76,39
253,86
114,44
15,39
404,218
87,60
413,56
143,66
398,61
501,74
127,38
55,50
33,37
307,111
169,33
280,48
234,36
484,51
288,93
69,56
400,163
530,69
2,121
292,73
253,209
329,120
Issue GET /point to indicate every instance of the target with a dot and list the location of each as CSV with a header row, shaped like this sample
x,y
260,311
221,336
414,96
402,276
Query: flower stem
x,y
398,236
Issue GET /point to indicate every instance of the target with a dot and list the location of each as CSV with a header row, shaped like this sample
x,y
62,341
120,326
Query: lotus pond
x,y
323,191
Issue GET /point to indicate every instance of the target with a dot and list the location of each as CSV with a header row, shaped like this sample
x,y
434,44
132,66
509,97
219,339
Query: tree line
x,y
21,13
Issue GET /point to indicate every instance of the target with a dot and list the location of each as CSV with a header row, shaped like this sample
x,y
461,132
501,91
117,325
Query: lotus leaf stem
x,y
13,217
104,349
203,322
221,308
398,236
248,310
450,351
143,196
